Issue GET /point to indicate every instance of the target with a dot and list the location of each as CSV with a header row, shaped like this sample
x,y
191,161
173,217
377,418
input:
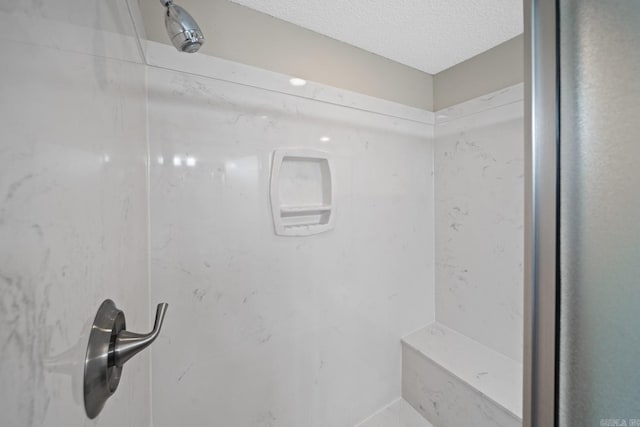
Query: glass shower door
x,y
584,329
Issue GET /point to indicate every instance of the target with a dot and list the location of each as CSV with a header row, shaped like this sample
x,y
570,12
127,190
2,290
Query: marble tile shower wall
x,y
282,331
73,205
262,330
479,219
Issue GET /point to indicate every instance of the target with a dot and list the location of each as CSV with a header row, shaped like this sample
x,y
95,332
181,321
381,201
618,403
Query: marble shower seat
x,y
453,380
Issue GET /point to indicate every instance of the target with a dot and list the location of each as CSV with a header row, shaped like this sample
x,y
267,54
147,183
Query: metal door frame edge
x,y
541,213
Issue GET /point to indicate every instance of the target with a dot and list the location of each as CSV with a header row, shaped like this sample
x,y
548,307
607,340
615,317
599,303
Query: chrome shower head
x,y
183,30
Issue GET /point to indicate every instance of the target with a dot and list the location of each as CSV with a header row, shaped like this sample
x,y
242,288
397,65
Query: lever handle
x,y
110,346
128,344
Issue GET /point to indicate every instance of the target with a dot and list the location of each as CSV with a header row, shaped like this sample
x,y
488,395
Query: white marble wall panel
x,y
93,27
73,212
282,331
164,56
479,193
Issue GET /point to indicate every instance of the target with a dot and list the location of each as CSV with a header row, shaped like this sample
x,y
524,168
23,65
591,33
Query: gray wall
x,y
250,37
492,70
240,34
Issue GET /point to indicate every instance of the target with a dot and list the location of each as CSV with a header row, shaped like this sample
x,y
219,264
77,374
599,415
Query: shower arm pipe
x,y
165,3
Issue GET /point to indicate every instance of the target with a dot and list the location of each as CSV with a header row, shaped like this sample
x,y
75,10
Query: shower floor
x,y
397,414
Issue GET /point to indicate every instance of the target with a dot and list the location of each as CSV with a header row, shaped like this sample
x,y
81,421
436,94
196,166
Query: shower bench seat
x,y
453,380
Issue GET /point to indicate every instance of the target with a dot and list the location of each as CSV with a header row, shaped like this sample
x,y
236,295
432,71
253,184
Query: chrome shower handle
x,y
128,344
110,347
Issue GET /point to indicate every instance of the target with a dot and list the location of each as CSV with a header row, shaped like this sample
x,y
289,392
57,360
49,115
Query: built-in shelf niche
x,y
301,192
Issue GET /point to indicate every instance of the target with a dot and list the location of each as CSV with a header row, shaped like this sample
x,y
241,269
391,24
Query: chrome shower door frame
x,y
542,122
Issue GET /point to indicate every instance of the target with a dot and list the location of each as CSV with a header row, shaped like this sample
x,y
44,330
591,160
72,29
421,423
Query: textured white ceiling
x,y
430,35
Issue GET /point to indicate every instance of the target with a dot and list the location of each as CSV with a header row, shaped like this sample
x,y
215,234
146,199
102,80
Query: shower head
x,y
183,30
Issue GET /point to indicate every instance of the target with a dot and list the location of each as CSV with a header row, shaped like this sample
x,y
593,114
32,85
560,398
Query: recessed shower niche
x,y
302,190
